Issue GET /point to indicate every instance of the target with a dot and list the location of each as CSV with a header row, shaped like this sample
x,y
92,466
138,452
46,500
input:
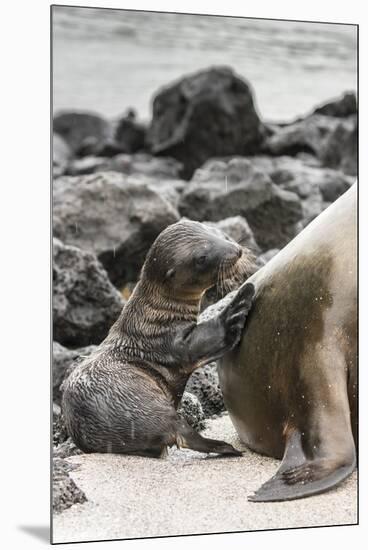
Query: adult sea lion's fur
x,y
124,397
291,385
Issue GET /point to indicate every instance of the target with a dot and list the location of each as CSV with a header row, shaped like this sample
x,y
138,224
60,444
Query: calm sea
x,y
108,60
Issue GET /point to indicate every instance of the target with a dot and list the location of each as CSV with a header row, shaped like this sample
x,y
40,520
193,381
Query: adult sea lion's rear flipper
x,y
316,459
299,477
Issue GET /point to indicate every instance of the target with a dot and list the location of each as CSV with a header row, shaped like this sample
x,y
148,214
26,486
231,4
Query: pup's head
x,y
189,257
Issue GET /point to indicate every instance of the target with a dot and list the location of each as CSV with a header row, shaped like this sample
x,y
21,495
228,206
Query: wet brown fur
x,y
290,386
124,397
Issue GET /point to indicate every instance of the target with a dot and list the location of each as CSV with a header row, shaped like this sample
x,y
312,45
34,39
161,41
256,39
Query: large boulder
x,y
278,220
116,219
294,174
226,188
210,113
341,107
341,148
315,185
85,303
63,360
170,190
332,139
309,135
80,129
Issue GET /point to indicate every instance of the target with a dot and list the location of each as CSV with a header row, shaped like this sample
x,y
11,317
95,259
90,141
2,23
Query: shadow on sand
x,y
41,532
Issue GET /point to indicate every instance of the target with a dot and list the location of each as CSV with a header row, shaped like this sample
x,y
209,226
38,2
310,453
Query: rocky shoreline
x,y
206,155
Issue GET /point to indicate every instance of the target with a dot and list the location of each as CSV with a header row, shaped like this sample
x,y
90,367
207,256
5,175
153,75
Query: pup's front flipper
x,y
204,342
234,315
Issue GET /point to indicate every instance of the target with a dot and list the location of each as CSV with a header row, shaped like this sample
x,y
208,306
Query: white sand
x,y
188,493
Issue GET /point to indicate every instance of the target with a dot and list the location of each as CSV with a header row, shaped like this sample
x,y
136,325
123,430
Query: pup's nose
x,y
239,251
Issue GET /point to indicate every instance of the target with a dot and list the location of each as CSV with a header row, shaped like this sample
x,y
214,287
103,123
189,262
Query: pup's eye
x,y
201,260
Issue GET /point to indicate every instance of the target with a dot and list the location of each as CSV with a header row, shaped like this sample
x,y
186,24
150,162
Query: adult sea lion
x,y
124,397
291,385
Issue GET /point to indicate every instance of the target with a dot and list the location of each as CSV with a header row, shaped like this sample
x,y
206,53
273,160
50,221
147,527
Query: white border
x,y
25,268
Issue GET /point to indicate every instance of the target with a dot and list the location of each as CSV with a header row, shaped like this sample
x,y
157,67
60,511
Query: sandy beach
x,y
189,493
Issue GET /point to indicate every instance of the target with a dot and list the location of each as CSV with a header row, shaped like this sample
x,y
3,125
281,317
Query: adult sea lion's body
x,y
291,385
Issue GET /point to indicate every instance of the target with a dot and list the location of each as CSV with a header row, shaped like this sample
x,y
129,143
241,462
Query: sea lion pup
x,y
124,398
290,386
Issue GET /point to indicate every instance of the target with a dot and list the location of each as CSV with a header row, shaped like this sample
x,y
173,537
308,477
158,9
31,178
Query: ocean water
x,y
109,60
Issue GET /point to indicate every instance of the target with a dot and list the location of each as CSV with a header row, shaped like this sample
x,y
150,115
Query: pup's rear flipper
x,y
190,439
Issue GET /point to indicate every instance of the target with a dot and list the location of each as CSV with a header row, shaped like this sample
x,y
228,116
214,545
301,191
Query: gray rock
x,y
93,147
85,302
63,361
332,139
314,184
82,128
66,448
306,135
130,134
170,190
204,384
291,176
140,164
61,155
191,409
343,106
278,220
65,492
143,164
225,188
86,165
308,159
116,219
238,229
334,184
207,114
341,148
63,446
59,433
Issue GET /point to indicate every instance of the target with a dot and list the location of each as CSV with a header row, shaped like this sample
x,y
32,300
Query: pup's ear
x,y
170,274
